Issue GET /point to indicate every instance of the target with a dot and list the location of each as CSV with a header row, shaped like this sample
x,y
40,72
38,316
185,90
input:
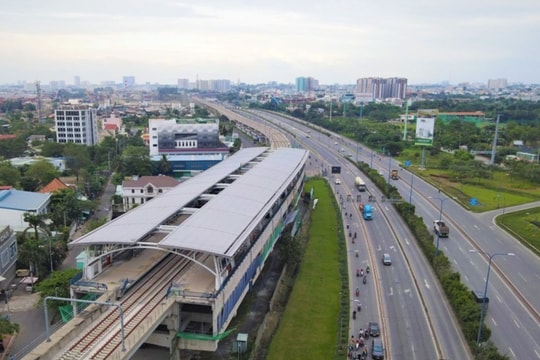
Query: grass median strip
x,y
309,327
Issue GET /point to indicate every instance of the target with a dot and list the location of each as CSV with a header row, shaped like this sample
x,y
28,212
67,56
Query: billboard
x,y
424,131
336,169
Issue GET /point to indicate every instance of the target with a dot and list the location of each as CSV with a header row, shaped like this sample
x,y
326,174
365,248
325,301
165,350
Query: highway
x,y
512,314
514,303
404,298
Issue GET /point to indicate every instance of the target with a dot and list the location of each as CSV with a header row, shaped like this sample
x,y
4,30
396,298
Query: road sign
x,y
336,169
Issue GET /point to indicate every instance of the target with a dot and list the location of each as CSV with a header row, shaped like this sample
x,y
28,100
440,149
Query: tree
x,y
6,326
10,148
9,175
164,166
31,249
43,171
56,285
77,157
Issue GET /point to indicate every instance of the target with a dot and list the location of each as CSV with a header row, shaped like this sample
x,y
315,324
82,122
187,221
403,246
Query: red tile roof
x,y
54,185
158,181
7,136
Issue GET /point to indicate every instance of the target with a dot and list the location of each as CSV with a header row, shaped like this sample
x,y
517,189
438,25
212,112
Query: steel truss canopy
x,y
253,179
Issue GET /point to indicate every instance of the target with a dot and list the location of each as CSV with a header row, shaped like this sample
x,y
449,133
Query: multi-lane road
x,y
404,298
514,295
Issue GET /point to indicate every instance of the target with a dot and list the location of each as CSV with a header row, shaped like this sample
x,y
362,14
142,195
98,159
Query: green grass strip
x,y
309,326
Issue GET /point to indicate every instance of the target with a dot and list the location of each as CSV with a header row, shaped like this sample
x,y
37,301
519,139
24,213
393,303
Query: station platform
x,y
114,276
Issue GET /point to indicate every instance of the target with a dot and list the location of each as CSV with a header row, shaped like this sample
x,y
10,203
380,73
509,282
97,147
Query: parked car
x,y
373,329
377,349
386,259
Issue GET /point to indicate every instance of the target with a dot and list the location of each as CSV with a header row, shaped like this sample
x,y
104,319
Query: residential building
x,y
77,125
183,83
494,84
8,255
382,88
138,191
190,145
112,123
128,82
14,203
306,84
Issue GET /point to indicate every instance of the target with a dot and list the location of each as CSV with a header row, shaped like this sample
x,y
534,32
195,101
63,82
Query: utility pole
x,y
406,120
493,149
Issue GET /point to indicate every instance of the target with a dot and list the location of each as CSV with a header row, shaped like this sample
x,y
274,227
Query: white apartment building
x,y
76,125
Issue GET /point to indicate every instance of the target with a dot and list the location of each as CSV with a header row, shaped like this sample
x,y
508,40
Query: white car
x,y
338,182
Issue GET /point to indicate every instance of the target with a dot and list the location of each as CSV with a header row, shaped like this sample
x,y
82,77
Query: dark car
x,y
377,349
373,329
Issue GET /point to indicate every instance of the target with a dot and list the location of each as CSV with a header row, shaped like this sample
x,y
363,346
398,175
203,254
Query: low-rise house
x,y
145,188
14,203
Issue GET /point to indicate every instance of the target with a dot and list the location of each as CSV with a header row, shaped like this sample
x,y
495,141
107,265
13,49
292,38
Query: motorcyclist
x,y
357,272
364,280
357,291
354,314
361,272
367,269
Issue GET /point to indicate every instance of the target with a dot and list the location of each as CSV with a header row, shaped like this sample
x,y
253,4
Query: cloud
x,y
336,42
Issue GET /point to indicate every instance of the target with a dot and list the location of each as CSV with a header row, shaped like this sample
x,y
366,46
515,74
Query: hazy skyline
x,y
335,41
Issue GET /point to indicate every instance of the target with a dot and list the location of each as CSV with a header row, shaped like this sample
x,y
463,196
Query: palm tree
x,y
31,250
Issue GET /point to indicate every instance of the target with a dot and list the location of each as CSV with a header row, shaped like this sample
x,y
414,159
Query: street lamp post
x,y
491,256
442,200
371,163
410,193
50,255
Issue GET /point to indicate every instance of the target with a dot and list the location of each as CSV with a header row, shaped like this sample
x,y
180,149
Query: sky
x,y
335,42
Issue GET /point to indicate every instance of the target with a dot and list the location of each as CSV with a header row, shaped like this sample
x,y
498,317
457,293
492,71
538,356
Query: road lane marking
x,y
537,354
466,278
498,298
494,322
522,277
426,283
512,351
517,324
407,291
391,291
477,227
407,241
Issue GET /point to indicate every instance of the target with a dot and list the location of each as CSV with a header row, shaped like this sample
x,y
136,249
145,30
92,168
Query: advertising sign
x,y
424,131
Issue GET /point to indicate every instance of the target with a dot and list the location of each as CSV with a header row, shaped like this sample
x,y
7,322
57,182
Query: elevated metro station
x,y
195,251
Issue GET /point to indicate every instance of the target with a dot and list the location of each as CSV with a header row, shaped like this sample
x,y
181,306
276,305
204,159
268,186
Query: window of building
x,y
133,191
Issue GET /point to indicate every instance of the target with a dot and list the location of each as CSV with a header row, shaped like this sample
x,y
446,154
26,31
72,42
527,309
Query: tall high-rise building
x,y
306,84
128,81
382,88
182,83
497,83
76,125
77,81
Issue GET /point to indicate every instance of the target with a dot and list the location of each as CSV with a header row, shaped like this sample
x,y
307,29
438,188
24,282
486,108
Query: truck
x,y
440,228
367,211
394,174
359,183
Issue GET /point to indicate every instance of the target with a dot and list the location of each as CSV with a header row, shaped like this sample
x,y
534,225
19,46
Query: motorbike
x,y
367,269
359,307
357,273
354,315
357,292
364,280
361,272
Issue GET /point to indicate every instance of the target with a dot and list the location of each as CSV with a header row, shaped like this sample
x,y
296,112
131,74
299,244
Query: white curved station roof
x,y
221,225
